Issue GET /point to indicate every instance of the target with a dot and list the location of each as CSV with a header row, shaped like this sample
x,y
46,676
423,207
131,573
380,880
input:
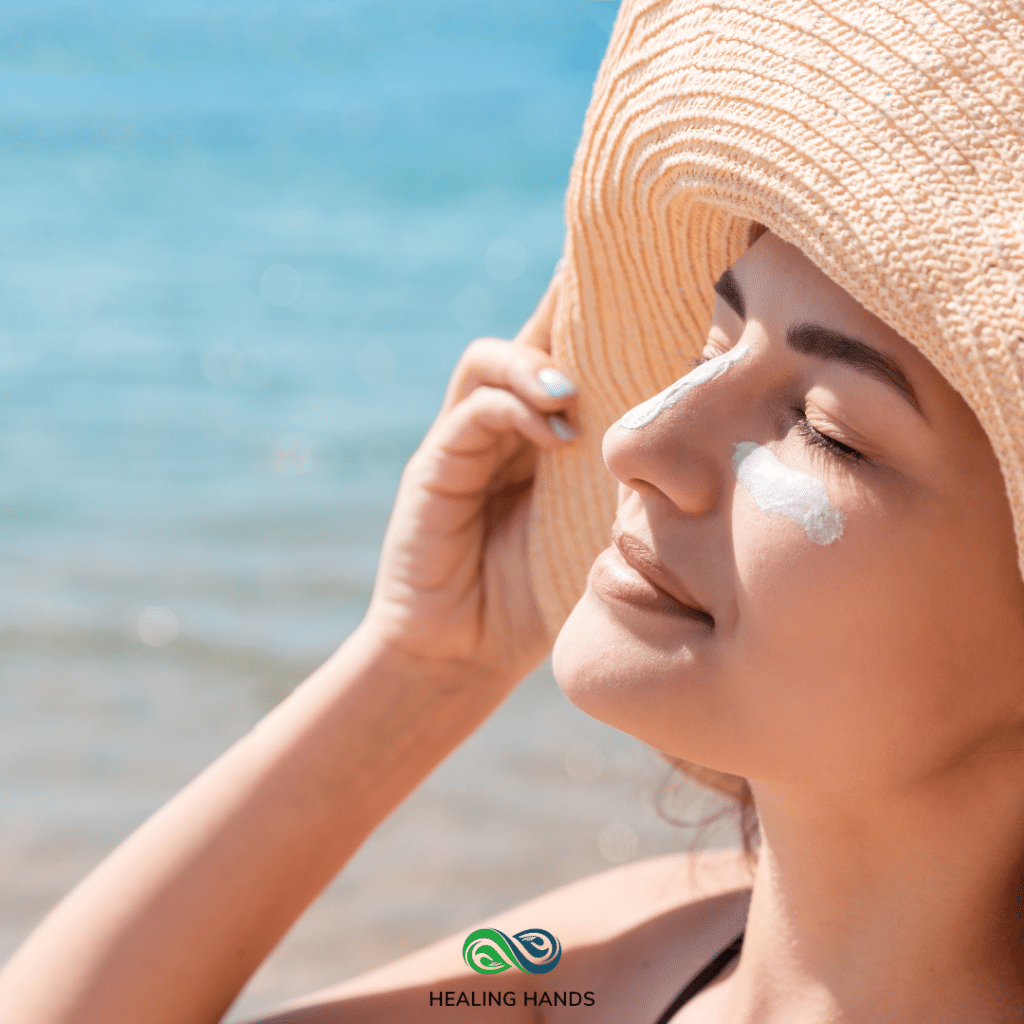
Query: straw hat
x,y
881,137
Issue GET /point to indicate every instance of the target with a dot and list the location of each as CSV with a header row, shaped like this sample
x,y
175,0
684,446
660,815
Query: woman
x,y
813,581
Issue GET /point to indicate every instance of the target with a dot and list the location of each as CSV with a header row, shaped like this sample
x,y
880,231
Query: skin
x,y
843,663
870,690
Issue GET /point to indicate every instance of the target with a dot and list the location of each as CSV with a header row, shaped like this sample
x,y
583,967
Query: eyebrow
x,y
814,340
833,346
729,290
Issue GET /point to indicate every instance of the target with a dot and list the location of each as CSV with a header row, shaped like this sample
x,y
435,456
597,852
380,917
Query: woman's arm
x,y
171,925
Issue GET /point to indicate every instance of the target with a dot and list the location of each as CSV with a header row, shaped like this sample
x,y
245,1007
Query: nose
x,y
675,444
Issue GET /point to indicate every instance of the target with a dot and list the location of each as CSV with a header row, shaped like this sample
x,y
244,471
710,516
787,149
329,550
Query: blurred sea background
x,y
241,248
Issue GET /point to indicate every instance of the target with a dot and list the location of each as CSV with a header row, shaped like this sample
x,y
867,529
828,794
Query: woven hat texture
x,y
883,139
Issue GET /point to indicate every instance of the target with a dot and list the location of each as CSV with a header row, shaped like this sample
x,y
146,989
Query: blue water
x,y
157,159
241,248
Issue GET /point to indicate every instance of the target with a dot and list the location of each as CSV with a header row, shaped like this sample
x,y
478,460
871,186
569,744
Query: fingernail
x,y
561,429
555,383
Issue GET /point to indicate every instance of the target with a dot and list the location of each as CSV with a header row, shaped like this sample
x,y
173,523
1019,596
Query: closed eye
x,y
815,438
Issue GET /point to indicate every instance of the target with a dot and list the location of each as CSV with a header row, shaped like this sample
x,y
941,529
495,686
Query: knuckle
x,y
474,347
528,360
470,355
486,362
489,397
482,359
484,348
496,406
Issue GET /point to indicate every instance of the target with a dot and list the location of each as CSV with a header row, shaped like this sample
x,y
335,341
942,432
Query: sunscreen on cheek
x,y
781,491
647,412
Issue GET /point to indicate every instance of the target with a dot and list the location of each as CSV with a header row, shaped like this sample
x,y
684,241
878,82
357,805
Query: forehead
x,y
782,289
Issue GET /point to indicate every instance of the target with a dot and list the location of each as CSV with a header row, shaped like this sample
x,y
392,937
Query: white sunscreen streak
x,y
647,412
781,491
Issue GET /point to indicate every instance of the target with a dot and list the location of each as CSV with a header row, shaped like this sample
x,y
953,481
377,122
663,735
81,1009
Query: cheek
x,y
816,638
847,653
785,641
785,493
842,663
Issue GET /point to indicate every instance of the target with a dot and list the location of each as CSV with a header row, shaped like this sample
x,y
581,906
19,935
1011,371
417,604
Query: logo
x,y
489,951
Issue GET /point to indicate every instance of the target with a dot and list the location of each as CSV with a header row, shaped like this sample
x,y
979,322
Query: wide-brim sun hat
x,y
883,139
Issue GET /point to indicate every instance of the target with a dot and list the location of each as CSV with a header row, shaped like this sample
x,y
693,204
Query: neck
x,y
903,908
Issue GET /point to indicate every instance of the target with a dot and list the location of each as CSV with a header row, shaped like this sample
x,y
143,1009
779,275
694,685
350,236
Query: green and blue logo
x,y
489,951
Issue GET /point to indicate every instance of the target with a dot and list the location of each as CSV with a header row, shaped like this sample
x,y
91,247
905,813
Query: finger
x,y
536,332
492,413
525,371
465,446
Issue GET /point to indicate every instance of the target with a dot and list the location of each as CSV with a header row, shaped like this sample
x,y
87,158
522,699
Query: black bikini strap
x,y
704,977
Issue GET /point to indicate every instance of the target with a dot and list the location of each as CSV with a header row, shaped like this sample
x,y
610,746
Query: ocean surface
x,y
241,247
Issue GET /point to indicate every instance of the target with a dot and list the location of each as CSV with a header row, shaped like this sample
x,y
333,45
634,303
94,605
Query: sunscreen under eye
x,y
781,491
647,412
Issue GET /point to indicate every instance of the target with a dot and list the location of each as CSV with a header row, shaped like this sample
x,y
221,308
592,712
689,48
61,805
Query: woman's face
x,y
835,514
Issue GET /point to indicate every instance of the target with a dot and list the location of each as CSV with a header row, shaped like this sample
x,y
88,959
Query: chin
x,y
598,667
566,664
580,654
617,677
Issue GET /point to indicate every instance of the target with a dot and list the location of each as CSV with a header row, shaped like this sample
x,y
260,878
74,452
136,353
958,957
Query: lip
x,y
629,573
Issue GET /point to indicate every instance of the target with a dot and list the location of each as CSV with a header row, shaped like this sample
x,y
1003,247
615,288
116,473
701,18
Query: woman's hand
x,y
453,583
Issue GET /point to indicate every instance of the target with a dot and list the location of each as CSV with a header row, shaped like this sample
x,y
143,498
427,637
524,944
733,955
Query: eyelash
x,y
812,437
816,439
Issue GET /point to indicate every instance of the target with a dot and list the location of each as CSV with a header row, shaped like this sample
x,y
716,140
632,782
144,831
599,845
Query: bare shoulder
x,y
647,929
621,899
622,932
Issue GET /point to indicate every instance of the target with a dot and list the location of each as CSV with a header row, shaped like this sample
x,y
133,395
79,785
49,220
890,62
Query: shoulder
x,y
634,936
629,930
621,899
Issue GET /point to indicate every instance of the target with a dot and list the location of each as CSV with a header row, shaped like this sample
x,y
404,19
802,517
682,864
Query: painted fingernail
x,y
561,429
555,383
